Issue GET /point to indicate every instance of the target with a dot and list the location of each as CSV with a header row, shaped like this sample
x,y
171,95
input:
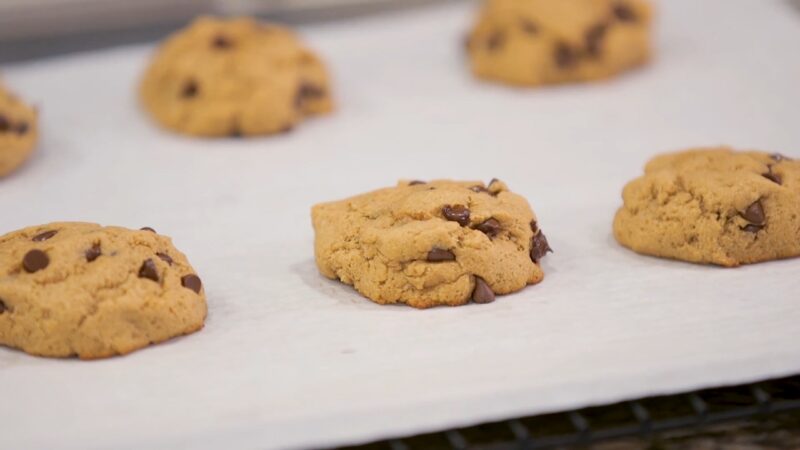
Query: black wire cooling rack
x,y
642,419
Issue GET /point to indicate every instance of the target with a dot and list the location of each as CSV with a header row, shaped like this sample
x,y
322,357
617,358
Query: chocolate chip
x,y
190,89
528,26
306,92
594,38
624,13
482,293
3,307
416,182
534,227
192,282
165,257
35,260
149,270
21,128
755,213
495,41
5,125
778,157
94,252
750,228
221,42
440,254
774,177
539,247
147,229
478,189
489,186
490,227
457,213
44,236
565,56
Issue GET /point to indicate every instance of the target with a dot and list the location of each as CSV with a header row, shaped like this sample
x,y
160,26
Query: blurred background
x,y
35,28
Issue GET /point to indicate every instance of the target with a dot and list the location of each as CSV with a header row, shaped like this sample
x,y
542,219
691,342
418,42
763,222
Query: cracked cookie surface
x,y
429,244
234,77
534,42
80,289
18,131
715,206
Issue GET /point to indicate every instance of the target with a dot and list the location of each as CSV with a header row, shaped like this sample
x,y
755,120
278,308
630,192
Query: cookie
x,y
535,42
80,289
715,206
234,77
429,244
18,132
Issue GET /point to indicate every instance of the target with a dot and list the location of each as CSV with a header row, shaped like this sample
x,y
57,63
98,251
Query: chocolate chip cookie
x,y
18,131
80,289
234,77
715,206
534,42
431,243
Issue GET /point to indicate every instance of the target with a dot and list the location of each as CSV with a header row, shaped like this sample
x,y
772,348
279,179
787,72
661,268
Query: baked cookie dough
x,y
430,244
534,42
80,289
18,131
234,77
715,206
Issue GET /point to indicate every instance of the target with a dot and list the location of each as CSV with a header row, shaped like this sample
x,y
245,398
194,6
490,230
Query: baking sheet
x,y
288,359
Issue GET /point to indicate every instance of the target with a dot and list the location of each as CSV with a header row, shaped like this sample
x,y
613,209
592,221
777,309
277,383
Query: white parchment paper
x,y
289,359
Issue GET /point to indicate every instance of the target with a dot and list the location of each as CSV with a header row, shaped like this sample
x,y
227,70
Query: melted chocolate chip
x,y
478,189
495,41
774,177
236,131
755,213
3,307
5,125
35,260
750,228
440,254
165,257
192,282
528,26
457,213
539,247
490,227
21,128
565,56
416,182
594,39
482,293
307,92
190,89
44,236
624,13
147,229
94,252
149,270
778,157
221,42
